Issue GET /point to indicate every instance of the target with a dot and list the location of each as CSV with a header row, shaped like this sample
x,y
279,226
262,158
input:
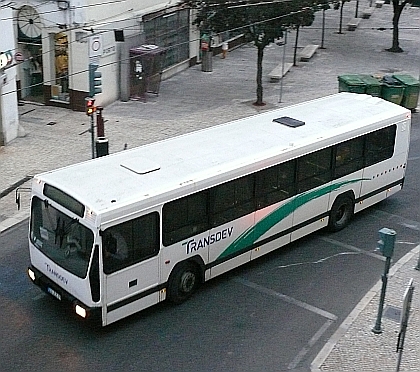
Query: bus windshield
x,y
61,238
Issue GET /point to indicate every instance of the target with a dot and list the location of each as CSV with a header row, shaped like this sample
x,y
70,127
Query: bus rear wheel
x,y
341,213
183,282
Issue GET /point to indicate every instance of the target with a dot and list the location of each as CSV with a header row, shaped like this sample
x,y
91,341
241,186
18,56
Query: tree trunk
x,y
259,101
398,8
341,18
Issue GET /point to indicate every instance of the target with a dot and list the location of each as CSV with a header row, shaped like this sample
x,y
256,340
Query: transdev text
x,y
194,245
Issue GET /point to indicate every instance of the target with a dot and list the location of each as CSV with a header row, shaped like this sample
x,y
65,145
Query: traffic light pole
x,y
92,135
94,88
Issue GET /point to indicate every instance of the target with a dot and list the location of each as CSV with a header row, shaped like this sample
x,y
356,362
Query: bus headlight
x,y
31,274
80,311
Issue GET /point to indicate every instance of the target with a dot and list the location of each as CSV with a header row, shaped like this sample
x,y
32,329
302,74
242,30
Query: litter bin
x,y
101,147
392,89
411,90
373,86
206,63
351,83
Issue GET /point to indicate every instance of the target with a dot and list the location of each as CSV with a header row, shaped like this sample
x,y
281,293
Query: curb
x,y
12,221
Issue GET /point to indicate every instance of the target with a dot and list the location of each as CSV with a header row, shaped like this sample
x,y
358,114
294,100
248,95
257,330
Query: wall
x,y
9,118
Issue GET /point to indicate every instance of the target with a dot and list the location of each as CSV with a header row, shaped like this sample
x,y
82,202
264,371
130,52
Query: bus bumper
x,y
90,314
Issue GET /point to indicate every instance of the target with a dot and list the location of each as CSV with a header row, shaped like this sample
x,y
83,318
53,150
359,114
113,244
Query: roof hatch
x,y
290,122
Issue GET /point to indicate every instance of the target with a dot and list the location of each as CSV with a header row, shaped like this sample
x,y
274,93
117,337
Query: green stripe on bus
x,y
248,237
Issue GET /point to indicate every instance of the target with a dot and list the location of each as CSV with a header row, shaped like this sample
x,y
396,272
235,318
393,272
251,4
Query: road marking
x,y
286,298
358,309
330,317
298,358
352,248
38,297
410,224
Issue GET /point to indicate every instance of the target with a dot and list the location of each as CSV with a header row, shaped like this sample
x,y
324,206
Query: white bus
x,y
117,234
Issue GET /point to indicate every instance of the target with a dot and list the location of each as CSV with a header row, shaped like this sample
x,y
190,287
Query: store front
x,y
60,86
30,72
43,68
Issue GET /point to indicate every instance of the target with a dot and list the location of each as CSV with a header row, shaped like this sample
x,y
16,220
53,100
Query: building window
x,y
170,31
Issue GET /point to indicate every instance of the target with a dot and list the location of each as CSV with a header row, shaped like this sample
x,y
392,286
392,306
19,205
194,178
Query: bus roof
x,y
153,173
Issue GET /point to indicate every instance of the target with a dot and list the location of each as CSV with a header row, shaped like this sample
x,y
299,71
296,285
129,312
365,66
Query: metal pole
x,y
377,328
92,135
401,338
323,29
282,67
408,296
1,114
418,261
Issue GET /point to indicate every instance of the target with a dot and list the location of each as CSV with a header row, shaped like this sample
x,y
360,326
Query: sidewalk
x,y
194,100
354,347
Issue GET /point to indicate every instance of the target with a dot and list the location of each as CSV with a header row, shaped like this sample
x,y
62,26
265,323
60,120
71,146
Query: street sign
x,y
6,59
405,313
19,57
95,46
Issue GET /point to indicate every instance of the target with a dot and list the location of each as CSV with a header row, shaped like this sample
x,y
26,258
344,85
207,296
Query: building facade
x,y
56,41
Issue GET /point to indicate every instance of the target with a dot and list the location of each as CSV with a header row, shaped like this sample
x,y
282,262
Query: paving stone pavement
x,y
194,100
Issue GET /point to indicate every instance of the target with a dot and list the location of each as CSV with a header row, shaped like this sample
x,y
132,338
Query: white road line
x,y
286,298
352,248
410,224
298,358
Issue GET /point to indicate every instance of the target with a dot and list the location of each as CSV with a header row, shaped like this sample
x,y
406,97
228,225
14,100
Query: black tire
x,y
183,282
341,213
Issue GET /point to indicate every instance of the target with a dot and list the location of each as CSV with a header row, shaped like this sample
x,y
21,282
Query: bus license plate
x,y
54,293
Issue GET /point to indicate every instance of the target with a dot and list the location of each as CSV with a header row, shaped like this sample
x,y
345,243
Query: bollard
x,y
100,129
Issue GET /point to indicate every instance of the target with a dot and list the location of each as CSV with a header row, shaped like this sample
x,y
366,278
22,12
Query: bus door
x,y
131,266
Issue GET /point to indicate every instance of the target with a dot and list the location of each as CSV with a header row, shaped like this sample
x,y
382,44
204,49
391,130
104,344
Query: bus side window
x,y
349,157
380,145
145,237
130,242
275,184
115,248
314,169
232,200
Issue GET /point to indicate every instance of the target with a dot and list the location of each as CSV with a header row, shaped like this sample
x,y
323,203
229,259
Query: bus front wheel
x,y
183,282
341,213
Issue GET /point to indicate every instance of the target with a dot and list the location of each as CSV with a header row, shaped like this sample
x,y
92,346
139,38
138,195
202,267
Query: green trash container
x,y
392,90
373,85
411,90
351,83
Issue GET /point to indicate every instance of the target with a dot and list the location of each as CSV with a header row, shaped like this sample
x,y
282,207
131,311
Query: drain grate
x,y
393,313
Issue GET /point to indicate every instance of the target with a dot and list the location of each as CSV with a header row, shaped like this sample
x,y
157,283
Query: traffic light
x,y
90,106
95,82
386,242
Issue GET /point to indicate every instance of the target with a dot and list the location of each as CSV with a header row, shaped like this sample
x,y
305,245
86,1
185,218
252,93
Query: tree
x,y
398,7
340,5
261,21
